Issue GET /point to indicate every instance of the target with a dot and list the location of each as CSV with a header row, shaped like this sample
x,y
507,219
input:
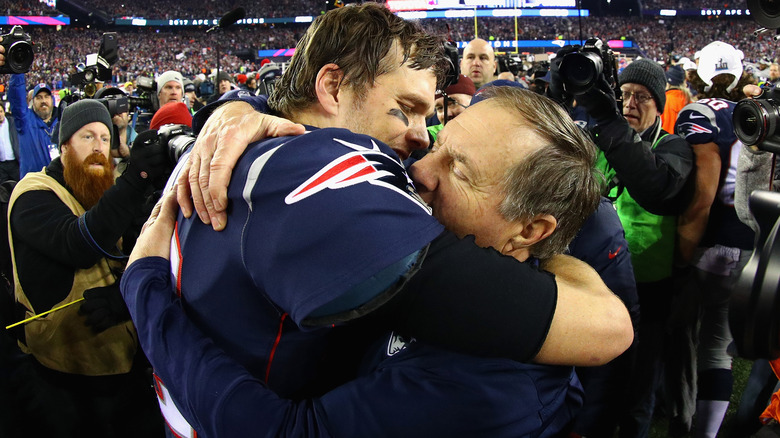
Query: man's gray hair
x,y
558,179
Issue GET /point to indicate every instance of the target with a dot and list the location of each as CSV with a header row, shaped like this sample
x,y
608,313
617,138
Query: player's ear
x,y
329,80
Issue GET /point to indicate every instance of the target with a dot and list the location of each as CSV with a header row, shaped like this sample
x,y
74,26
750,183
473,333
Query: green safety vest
x,y
651,238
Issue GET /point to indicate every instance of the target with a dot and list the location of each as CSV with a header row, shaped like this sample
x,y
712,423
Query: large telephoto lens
x,y
580,71
755,120
20,57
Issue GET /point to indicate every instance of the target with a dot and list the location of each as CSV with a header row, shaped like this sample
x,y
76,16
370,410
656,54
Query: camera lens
x,y
765,12
755,120
580,71
20,57
178,145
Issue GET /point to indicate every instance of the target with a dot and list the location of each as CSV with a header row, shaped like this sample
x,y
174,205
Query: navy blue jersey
x,y
601,243
311,219
709,121
404,389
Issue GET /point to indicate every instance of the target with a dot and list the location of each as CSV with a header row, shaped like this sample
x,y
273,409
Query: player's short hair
x,y
358,39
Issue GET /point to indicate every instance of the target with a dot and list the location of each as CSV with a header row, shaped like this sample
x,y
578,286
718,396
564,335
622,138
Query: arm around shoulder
x,y
591,325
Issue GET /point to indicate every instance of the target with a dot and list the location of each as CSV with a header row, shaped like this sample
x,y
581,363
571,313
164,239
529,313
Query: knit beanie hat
x,y
169,76
651,75
82,113
675,76
171,113
224,76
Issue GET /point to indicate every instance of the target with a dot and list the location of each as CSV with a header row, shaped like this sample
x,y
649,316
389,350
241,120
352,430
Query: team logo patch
x,y
397,344
690,128
364,165
721,65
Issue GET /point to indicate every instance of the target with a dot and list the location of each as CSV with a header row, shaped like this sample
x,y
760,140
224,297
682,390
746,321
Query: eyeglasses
x,y
450,102
641,98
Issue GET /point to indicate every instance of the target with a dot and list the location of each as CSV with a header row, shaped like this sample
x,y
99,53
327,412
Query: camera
x,y
98,65
177,140
581,68
755,304
757,121
18,51
117,102
169,142
512,64
267,78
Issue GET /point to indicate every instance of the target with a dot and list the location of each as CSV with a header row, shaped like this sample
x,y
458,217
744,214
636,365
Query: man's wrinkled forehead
x,y
478,48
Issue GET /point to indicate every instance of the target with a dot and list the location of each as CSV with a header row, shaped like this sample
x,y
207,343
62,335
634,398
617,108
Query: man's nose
x,y
417,136
423,173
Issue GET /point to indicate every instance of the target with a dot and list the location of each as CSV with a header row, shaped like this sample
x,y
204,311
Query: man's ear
x,y
528,234
327,87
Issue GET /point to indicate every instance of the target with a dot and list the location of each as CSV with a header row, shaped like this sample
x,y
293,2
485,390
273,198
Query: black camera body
x,y
97,66
147,90
757,121
512,64
581,68
19,51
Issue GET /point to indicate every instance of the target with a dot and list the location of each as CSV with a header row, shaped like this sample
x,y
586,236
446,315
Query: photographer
x,y
66,224
36,148
648,172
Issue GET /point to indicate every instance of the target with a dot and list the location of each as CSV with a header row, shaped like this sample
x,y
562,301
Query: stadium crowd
x,y
629,136
148,51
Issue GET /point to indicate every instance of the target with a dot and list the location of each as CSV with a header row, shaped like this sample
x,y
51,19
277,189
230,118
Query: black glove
x,y
149,162
600,102
555,90
104,307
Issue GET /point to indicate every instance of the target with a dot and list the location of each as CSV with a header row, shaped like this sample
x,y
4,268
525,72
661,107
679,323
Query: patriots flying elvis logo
x,y
690,128
363,165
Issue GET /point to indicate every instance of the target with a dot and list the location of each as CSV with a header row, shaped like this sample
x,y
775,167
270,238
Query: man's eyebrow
x,y
417,101
458,156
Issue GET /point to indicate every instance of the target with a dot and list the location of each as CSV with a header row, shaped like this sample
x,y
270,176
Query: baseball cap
x,y
464,86
40,87
188,85
478,97
718,58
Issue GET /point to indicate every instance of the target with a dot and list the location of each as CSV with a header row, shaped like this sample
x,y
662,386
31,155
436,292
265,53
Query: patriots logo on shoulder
x,y
397,344
363,165
690,128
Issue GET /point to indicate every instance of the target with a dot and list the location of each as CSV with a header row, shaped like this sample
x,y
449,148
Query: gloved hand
x,y
104,307
149,161
600,102
555,90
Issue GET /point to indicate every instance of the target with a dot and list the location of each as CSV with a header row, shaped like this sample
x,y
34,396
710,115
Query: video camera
x,y
512,64
267,78
98,65
19,51
98,68
117,102
754,309
581,68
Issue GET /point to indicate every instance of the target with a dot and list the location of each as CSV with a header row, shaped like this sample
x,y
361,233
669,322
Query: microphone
x,y
232,17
